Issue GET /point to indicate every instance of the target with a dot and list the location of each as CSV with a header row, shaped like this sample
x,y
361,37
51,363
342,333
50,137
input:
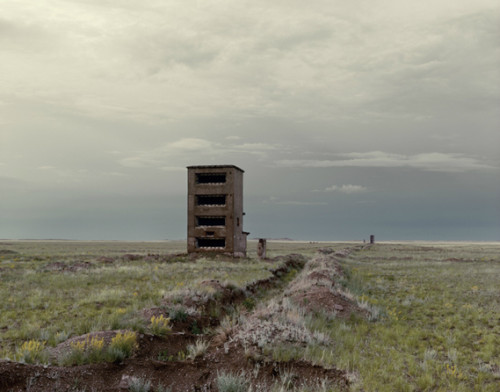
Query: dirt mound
x,y
457,260
221,295
106,260
71,267
8,252
165,258
156,257
322,299
317,290
64,347
189,375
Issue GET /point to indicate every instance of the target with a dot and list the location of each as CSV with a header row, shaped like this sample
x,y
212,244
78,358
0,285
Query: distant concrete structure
x,y
215,210
372,239
261,248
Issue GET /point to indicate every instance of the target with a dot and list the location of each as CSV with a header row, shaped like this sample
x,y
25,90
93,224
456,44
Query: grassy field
x,y
53,290
435,308
439,325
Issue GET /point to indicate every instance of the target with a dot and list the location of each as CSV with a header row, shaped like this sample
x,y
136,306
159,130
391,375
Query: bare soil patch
x,y
189,375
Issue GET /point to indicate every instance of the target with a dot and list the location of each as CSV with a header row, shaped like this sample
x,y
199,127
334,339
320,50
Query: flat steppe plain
x,y
394,316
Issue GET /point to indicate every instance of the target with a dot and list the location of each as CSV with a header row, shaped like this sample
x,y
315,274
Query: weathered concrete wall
x,y
208,238
240,237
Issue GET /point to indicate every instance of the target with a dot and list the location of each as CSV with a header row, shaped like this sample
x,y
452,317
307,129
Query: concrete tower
x,y
215,210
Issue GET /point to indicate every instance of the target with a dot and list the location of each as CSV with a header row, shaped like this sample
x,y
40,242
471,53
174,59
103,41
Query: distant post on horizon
x,y
215,210
372,239
262,248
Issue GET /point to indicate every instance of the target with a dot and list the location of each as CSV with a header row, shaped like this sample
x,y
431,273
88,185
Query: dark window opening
x,y
211,242
210,178
211,200
211,221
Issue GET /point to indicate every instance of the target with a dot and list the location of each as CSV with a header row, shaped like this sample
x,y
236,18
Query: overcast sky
x,y
350,118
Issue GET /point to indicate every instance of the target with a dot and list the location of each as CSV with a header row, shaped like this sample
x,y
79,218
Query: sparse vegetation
x,y
94,350
160,325
428,315
124,342
437,318
180,312
228,382
196,350
101,287
32,351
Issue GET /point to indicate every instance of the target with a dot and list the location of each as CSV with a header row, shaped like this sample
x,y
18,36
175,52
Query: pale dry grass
x,y
38,286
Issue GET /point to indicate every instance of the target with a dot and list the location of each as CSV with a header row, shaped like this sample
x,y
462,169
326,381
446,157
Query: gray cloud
x,y
186,150
24,37
346,188
112,99
277,201
425,161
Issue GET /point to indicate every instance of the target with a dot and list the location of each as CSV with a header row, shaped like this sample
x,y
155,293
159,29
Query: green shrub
x,y
249,303
126,342
116,354
165,356
73,357
32,351
95,350
195,330
61,337
178,313
92,350
160,325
